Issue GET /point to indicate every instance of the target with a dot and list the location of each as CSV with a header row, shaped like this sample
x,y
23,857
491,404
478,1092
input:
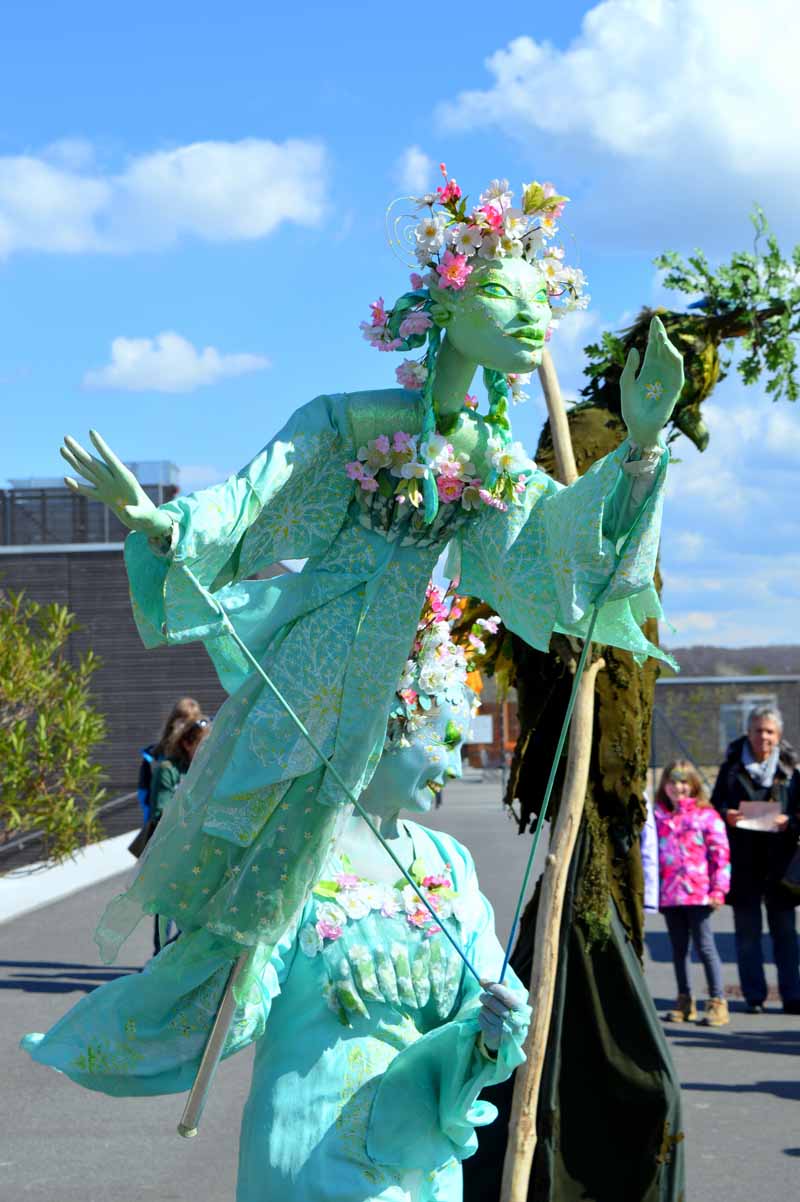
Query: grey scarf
x,y
762,773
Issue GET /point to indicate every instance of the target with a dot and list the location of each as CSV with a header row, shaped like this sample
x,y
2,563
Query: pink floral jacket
x,y
693,856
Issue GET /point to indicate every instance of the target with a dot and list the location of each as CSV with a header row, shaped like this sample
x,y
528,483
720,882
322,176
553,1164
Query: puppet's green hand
x,y
649,398
110,481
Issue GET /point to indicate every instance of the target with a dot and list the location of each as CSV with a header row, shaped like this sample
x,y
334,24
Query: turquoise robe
x,y
368,1071
257,813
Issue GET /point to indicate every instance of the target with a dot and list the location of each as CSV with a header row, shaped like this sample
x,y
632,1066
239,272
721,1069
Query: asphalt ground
x,y
59,1143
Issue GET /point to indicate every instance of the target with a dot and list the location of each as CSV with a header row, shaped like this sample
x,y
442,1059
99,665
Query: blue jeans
x,y
683,921
750,953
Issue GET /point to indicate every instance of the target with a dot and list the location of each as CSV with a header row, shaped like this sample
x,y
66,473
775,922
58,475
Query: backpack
x,y
149,758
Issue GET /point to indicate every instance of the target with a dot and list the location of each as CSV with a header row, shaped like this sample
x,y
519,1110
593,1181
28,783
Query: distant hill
x,y
780,660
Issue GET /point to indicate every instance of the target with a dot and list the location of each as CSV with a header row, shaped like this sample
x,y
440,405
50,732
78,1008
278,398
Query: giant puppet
x,y
370,488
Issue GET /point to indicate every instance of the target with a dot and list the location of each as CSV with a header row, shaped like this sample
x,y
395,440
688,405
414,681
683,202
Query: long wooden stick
x,y
559,425
212,1054
522,1126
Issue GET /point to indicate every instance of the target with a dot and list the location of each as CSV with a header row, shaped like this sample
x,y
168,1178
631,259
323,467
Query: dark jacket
x,y
758,859
166,778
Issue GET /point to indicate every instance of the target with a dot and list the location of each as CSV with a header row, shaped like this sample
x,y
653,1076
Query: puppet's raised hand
x,y
110,481
649,398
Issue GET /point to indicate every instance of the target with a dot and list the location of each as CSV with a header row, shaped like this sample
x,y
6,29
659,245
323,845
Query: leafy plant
x,y
48,728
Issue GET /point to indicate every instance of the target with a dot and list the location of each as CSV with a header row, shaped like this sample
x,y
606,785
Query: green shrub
x,y
48,729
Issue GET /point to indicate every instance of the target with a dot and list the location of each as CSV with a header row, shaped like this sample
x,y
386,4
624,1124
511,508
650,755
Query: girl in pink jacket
x,y
694,876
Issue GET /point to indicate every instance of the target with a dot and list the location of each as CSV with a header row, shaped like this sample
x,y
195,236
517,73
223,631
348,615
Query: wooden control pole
x,y
522,1126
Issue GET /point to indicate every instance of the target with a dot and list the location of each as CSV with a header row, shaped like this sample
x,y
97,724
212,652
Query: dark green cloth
x,y
609,1121
166,778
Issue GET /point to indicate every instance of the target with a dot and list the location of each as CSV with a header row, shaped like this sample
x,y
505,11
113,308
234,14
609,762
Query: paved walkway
x,y
62,1144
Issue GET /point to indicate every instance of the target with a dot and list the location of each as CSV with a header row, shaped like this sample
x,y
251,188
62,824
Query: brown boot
x,y
685,1010
716,1013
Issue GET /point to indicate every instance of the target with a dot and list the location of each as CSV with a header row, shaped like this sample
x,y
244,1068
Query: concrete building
x,y
66,549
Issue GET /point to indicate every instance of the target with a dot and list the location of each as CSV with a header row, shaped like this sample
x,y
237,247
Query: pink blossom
x,y
394,344
449,488
456,612
491,624
415,323
402,441
408,376
450,191
477,643
454,270
418,917
346,880
548,334
409,696
437,881
381,444
550,190
369,484
471,402
492,502
379,315
328,930
417,281
433,929
355,470
493,217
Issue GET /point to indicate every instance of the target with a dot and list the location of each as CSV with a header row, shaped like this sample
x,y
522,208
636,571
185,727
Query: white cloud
x,y
59,201
678,110
414,171
730,549
167,363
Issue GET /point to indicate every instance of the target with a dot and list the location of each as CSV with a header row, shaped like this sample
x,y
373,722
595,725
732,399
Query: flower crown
x,y
446,240
438,668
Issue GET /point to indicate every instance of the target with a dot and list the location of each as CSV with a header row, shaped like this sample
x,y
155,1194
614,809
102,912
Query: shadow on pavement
x,y
779,1042
788,1091
48,976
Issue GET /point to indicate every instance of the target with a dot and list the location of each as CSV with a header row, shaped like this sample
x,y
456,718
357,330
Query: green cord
x,y
330,766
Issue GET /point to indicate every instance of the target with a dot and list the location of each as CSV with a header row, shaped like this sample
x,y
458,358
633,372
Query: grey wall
x,y
134,688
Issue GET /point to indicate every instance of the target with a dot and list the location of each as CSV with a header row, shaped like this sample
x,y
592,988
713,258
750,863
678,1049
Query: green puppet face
x,y
500,318
410,777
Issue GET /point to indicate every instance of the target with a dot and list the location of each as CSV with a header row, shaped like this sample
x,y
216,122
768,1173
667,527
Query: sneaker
x,y
754,1008
716,1013
685,1010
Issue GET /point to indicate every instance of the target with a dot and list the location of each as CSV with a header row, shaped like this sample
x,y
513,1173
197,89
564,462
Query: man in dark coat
x,y
759,766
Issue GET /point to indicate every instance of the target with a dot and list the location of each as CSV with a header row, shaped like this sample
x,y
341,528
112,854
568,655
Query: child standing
x,y
694,876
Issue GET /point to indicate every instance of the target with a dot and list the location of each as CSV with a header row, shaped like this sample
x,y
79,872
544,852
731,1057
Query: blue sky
x,y
220,176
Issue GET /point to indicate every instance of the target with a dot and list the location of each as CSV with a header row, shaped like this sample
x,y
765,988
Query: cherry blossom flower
x,y
328,930
490,625
346,880
454,270
411,374
417,281
466,238
470,402
437,881
449,488
415,323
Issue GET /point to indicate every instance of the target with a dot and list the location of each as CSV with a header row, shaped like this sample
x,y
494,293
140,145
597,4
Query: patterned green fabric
x,y
256,815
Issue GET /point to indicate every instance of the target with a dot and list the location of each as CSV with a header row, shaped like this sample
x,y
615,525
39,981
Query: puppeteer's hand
x,y
649,398
497,1003
110,481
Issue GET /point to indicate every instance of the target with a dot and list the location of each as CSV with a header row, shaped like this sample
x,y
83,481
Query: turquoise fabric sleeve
x,y
144,1033
546,562
288,503
427,1105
